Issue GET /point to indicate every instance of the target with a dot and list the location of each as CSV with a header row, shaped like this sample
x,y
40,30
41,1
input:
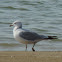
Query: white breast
x,y
20,39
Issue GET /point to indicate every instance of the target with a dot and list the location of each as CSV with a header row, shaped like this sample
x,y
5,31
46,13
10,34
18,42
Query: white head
x,y
17,24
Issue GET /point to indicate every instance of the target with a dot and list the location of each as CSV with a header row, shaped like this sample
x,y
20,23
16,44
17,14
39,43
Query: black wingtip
x,y
52,37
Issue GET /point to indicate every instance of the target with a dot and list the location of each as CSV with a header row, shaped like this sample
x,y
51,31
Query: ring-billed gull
x,y
27,37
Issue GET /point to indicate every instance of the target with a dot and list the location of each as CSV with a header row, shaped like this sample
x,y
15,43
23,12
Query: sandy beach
x,y
21,56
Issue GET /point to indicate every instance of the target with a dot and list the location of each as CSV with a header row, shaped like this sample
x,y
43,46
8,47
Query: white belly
x,y
24,41
21,40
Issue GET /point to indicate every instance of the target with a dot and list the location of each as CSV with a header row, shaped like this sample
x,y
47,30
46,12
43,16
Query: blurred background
x,y
41,16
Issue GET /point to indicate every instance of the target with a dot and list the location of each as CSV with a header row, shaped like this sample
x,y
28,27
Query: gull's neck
x,y
16,27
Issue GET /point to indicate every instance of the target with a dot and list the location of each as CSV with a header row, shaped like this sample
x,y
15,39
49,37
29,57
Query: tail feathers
x,y
52,37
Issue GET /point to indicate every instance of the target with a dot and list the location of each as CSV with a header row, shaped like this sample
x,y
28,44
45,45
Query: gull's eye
x,y
14,23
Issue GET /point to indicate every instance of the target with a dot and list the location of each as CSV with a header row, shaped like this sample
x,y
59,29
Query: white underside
x,y
22,40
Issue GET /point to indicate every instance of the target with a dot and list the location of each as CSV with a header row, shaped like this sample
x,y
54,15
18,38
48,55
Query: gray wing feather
x,y
30,36
43,37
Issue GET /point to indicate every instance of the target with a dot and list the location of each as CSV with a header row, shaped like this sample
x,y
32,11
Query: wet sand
x,y
21,56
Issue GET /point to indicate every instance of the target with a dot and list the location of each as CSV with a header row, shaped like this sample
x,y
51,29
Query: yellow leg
x,y
33,47
26,47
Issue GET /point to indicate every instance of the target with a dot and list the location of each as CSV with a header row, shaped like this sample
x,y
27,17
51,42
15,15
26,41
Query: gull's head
x,y
16,24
